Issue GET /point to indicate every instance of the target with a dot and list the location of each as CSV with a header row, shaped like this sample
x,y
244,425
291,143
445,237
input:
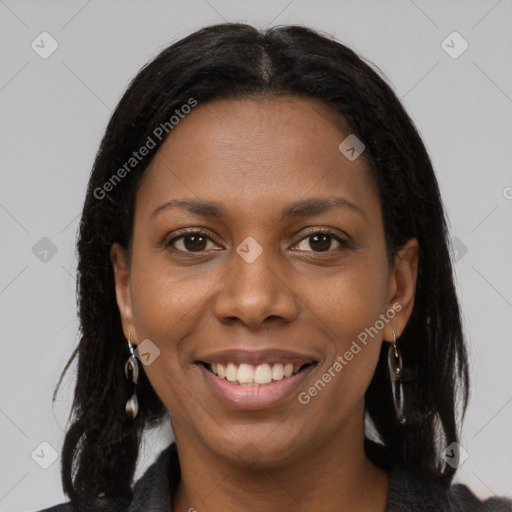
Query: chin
x,y
260,448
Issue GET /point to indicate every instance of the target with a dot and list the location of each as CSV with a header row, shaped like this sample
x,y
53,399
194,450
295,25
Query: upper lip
x,y
257,357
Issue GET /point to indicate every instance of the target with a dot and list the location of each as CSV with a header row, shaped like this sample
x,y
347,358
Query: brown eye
x,y
321,242
190,242
194,242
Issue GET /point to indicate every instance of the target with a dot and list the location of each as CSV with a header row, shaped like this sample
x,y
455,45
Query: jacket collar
x,y
153,491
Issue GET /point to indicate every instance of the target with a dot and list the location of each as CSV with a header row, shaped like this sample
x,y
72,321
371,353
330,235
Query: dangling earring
x,y
131,370
395,374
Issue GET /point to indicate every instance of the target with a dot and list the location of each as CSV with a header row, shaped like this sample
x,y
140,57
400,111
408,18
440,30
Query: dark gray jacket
x,y
407,493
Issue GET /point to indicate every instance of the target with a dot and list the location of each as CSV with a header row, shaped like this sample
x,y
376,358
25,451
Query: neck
x,y
330,477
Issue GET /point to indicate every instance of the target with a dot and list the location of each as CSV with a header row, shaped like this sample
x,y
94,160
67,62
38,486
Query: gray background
x,y
53,113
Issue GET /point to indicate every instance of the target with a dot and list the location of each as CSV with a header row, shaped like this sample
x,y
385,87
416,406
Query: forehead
x,y
253,154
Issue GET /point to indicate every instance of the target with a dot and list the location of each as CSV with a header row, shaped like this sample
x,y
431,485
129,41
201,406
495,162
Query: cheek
x,y
348,307
351,300
164,308
165,299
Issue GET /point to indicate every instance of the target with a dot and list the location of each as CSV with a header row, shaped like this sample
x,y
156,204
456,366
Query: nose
x,y
255,293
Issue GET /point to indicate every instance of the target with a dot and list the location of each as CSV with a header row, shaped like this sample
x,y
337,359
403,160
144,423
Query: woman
x,y
263,256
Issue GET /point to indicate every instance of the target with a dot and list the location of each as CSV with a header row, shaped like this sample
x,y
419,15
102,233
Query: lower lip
x,y
254,397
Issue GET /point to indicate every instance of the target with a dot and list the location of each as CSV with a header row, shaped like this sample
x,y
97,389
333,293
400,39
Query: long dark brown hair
x,y
101,447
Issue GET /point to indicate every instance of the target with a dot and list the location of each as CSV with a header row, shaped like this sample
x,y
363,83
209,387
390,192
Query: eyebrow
x,y
303,208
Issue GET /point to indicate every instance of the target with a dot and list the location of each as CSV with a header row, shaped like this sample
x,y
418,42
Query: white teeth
x,y
277,371
250,375
245,374
231,372
263,374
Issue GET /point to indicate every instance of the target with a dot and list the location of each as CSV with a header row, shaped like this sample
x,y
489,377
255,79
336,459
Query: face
x,y
258,269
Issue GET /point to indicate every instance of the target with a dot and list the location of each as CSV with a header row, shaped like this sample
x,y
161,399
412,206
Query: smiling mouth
x,y
243,374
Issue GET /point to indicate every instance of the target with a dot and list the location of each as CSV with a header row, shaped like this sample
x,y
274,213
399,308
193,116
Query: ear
x,y
402,288
121,266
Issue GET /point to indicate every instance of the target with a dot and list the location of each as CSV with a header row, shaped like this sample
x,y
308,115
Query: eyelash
x,y
344,242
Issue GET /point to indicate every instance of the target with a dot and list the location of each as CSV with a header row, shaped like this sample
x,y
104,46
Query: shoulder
x,y
63,507
466,500
410,491
101,505
422,494
151,492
